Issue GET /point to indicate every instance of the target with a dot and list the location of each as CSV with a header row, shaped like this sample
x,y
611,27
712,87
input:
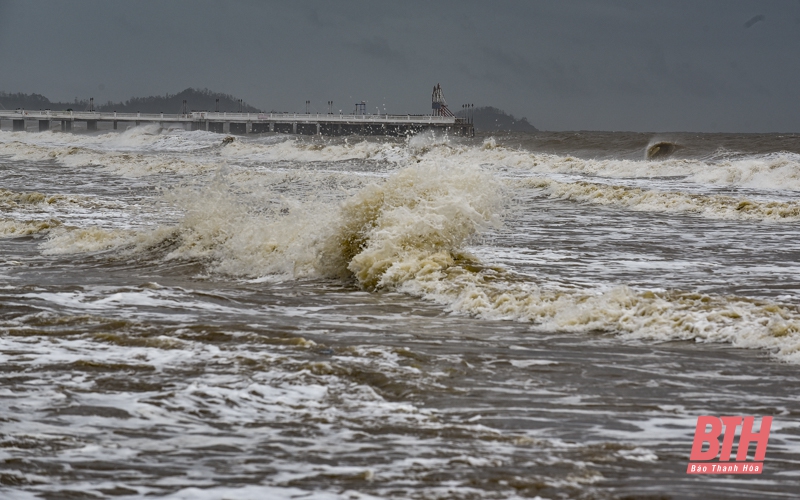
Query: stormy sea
x,y
526,315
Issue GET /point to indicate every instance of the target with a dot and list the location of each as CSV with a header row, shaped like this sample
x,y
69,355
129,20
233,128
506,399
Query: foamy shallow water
x,y
436,318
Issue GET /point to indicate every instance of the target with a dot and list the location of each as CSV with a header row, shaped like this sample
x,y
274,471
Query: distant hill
x,y
197,100
489,119
27,101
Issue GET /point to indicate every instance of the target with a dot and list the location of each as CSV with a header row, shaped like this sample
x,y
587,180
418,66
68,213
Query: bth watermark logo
x,y
708,431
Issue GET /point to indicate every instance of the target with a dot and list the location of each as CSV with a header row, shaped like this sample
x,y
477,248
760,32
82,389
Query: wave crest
x,y
14,228
711,206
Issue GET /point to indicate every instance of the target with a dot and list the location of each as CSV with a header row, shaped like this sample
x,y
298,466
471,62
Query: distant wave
x,y
13,228
661,149
711,206
143,152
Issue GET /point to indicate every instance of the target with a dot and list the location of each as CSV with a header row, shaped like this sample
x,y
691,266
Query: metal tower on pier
x,y
438,103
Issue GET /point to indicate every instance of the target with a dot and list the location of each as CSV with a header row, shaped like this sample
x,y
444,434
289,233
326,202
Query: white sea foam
x,y
772,171
260,493
708,205
148,150
12,228
148,137
633,314
34,201
778,171
131,164
293,150
79,240
409,233
280,407
223,406
25,213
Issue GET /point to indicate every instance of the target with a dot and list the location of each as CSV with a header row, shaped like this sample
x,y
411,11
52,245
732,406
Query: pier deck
x,y
246,123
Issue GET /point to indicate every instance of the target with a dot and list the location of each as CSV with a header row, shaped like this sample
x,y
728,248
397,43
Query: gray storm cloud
x,y
613,65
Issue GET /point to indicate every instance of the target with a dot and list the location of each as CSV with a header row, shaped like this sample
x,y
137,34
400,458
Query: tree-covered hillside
x,y
197,100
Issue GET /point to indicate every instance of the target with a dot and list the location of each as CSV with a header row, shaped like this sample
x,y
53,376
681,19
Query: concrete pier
x,y
251,123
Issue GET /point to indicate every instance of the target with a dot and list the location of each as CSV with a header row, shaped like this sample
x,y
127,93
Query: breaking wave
x,y
775,171
130,164
10,228
67,240
660,149
410,232
33,200
417,211
13,199
711,206
651,315
149,150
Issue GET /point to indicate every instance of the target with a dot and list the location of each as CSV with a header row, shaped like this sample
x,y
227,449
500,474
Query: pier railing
x,y
222,116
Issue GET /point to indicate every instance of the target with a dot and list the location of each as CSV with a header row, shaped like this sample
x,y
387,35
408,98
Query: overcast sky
x,y
565,65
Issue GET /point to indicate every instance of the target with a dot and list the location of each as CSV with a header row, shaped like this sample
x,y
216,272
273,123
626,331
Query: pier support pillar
x,y
18,125
44,125
294,127
115,124
91,125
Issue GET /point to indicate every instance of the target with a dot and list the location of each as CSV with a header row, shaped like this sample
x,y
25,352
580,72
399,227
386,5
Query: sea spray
x,y
418,221
415,213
